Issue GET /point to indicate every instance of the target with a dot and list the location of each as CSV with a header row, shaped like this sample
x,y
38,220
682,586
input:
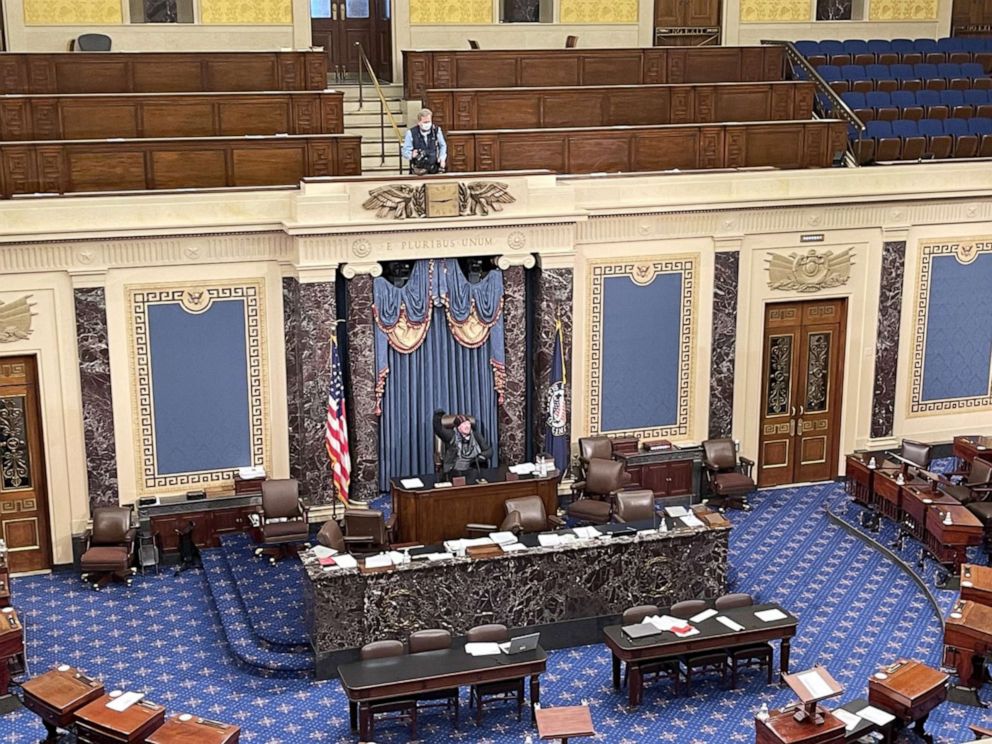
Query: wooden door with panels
x,y
23,493
801,391
337,25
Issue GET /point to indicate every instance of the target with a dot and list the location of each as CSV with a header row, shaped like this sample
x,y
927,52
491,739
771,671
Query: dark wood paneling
x,y
424,70
617,105
154,72
90,116
788,144
92,165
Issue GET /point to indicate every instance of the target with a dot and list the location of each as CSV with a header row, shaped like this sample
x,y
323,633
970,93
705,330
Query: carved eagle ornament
x,y
810,271
15,320
402,202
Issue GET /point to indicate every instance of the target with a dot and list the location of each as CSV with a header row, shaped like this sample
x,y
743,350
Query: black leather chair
x,y
727,475
368,531
714,660
636,505
918,453
109,547
284,519
976,487
90,43
405,706
434,639
503,691
594,505
330,536
667,667
751,655
523,514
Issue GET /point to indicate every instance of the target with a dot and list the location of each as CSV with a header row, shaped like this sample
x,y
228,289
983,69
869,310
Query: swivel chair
x,y
284,519
330,536
634,506
368,531
447,422
728,476
90,43
594,505
523,514
109,549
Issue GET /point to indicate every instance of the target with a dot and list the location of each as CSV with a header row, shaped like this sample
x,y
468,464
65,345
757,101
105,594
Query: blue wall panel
x,y
959,329
641,337
199,387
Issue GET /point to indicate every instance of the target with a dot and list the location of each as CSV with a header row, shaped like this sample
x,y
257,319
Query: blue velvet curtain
x,y
439,343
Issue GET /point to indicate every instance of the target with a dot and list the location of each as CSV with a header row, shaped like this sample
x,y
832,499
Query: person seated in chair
x,y
465,449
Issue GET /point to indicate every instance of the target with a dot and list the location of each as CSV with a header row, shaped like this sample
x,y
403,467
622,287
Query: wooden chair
x,y
434,639
753,655
405,706
490,692
656,668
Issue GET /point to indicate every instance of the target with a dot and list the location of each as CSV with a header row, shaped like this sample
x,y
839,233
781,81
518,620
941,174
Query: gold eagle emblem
x,y
15,320
402,202
810,271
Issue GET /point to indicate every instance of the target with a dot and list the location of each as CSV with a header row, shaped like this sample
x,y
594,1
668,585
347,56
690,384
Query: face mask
x,y
425,126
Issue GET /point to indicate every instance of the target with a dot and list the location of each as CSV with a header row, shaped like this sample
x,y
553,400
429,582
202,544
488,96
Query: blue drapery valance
x,y
474,314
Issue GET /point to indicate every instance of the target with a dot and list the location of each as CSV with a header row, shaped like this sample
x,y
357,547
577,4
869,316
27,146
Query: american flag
x,y
336,429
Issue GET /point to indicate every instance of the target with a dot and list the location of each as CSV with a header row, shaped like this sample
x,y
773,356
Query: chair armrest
x,y
746,461
556,520
358,539
618,519
131,535
480,529
710,467
578,486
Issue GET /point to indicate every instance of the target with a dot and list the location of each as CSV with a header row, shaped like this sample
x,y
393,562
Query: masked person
x,y
465,449
424,146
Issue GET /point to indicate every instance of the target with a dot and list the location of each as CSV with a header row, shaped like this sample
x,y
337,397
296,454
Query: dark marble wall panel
x,y
887,341
554,295
98,409
294,401
316,325
364,433
536,587
513,412
723,346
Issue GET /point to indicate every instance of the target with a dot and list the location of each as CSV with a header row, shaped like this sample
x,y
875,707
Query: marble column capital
x,y
895,234
506,261
728,244
371,268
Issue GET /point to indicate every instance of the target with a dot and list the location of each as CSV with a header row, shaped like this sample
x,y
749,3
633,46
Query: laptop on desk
x,y
640,630
520,643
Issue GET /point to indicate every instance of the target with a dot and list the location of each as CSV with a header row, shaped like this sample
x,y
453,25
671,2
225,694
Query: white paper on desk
x,y
665,622
767,616
586,533
320,551
524,468
733,625
125,701
663,526
850,720
691,520
411,483
815,684
502,538
876,716
676,511
395,557
454,546
549,541
704,615
443,484
439,556
513,547
566,538
249,472
482,649
345,561
476,542
378,561
648,531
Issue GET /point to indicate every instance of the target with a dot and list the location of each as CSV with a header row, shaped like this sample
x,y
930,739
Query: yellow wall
x,y
765,11
446,12
246,12
72,12
596,11
902,10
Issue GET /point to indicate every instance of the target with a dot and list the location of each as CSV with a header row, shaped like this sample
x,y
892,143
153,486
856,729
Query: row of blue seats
x,y
907,139
883,51
865,78
931,104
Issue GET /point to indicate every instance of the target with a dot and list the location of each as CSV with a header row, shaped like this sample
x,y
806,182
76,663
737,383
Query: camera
x,y
424,164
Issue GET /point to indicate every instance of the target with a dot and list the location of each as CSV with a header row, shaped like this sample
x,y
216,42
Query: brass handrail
x,y
383,106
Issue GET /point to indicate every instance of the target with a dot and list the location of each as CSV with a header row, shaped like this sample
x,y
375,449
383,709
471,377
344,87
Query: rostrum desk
x,y
782,728
976,584
56,695
909,690
431,515
968,634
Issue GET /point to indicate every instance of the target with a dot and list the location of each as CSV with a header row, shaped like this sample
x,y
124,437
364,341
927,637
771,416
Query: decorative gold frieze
x,y
810,271
402,202
15,320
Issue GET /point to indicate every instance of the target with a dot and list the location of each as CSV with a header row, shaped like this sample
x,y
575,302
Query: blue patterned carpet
x,y
173,638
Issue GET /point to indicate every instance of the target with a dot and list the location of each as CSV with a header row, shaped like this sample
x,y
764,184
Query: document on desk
x,y
549,541
378,561
704,615
524,468
513,547
502,538
345,561
691,520
850,720
125,701
815,684
439,556
767,616
586,533
876,716
732,624
482,649
676,511
395,557
412,483
319,551
442,484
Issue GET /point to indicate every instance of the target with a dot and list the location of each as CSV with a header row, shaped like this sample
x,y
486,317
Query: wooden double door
x,y
23,492
801,391
340,25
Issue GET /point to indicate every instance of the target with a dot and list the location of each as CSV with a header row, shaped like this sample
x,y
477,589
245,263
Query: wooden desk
x,y
967,637
57,694
917,501
909,690
888,490
396,676
564,722
194,730
5,589
212,517
976,583
782,728
860,478
98,724
712,634
672,475
432,515
11,643
864,726
969,446
948,542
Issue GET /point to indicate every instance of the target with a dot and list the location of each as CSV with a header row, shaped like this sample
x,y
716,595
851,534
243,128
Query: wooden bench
x,y
207,162
619,105
425,70
101,115
779,144
160,72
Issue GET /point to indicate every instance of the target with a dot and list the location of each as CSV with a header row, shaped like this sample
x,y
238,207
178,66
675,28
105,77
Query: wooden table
x,y
967,634
909,690
948,543
56,695
888,490
712,634
432,515
976,583
564,722
5,590
781,727
98,724
11,644
969,446
916,500
187,729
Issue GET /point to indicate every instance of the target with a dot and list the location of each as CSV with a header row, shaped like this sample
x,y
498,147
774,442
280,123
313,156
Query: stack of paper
x,y
767,616
549,540
691,520
439,556
320,551
676,625
513,547
125,701
251,472
876,716
378,561
676,511
396,557
482,649
502,538
816,685
345,561
850,720
586,533
566,538
524,468
412,483
732,624
649,531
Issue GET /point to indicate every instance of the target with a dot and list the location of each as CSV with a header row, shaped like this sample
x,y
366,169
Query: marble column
x,y
887,341
310,318
513,412
98,408
723,346
363,437
554,296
